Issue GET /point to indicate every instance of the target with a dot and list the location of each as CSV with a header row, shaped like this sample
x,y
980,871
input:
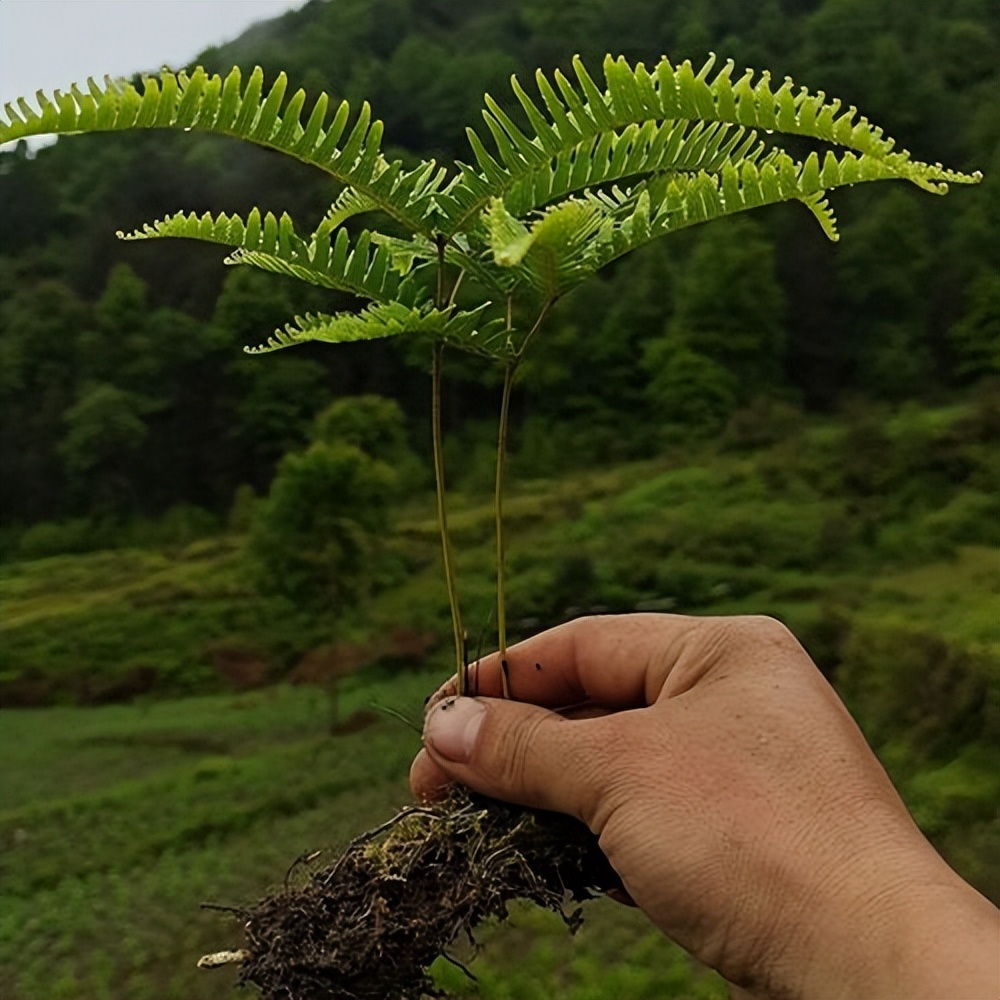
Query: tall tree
x,y
105,431
884,270
729,307
39,324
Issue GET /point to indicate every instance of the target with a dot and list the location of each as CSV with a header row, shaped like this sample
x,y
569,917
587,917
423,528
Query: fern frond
x,y
384,319
362,267
347,204
588,135
351,202
635,151
672,202
268,233
271,244
228,107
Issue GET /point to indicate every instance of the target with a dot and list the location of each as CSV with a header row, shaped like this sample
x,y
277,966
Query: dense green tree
x,y
372,423
28,199
38,327
975,337
837,38
975,230
688,388
729,307
316,535
122,308
694,34
884,269
555,32
269,406
118,346
586,371
970,53
272,407
105,430
249,304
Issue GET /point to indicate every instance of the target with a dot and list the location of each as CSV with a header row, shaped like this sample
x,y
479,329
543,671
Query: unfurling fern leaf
x,y
558,250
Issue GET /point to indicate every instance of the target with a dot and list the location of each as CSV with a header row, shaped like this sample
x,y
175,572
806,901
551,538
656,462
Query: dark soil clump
x,y
369,926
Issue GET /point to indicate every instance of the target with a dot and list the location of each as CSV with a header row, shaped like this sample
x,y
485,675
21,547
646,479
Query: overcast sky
x,y
49,44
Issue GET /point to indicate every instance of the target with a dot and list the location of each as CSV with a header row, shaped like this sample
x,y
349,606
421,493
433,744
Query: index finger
x,y
614,661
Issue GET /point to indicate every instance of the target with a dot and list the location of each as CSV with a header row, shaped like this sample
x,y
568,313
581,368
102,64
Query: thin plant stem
x,y
455,288
508,382
458,636
442,514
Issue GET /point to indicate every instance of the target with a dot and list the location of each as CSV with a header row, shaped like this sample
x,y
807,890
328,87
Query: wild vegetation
x,y
741,420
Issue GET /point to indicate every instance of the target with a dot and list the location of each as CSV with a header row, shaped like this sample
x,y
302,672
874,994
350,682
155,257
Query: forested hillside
x,y
123,392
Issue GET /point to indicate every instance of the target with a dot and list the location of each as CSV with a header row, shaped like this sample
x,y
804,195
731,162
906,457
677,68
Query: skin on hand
x,y
734,795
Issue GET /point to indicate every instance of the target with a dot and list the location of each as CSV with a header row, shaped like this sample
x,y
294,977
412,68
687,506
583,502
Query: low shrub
x,y
910,684
50,538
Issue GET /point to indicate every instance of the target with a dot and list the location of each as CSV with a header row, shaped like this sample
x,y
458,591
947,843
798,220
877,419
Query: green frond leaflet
x,y
328,260
644,122
267,233
227,107
509,237
385,319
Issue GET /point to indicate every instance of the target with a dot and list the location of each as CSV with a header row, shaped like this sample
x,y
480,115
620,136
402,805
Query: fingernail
x,y
452,727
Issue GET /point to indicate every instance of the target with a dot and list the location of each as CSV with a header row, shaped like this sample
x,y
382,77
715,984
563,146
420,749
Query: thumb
x,y
520,753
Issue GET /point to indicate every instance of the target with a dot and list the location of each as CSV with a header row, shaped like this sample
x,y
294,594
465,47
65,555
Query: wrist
x,y
946,944
924,936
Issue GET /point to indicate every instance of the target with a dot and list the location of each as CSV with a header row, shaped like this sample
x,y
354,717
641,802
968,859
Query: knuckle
x,y
739,631
767,628
582,630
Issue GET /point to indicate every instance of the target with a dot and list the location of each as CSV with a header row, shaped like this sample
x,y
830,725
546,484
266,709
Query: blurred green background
x,y
219,571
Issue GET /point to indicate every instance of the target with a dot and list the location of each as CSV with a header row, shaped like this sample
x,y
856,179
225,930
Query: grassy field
x,y
119,821
143,782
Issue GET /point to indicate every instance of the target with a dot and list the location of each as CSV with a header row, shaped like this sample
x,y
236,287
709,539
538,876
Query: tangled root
x,y
369,926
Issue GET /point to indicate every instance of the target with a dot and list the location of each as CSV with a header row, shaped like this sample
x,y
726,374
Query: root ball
x,y
369,926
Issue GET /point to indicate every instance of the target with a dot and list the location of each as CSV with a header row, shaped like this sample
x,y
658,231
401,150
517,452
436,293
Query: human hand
x,y
735,797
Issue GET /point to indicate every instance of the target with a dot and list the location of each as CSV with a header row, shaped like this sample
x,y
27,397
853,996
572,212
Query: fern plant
x,y
595,170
